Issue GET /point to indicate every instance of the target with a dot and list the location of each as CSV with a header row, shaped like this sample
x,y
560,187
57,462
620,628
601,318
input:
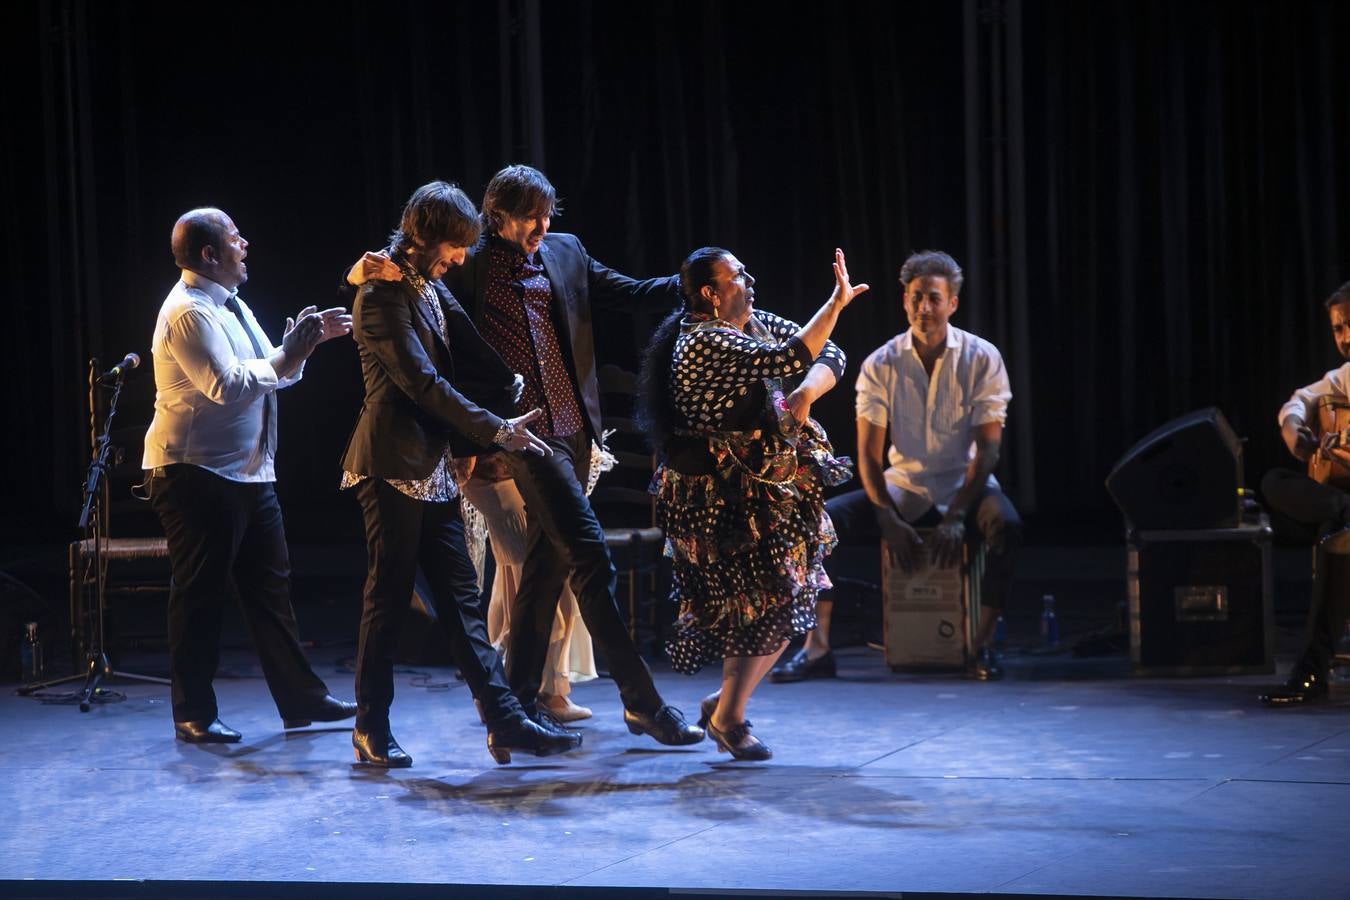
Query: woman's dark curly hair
x,y
655,405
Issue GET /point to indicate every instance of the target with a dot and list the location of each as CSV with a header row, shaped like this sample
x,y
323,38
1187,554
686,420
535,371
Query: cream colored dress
x,y
570,656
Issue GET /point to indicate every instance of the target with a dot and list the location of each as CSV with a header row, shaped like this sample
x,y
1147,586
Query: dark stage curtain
x,y
1144,195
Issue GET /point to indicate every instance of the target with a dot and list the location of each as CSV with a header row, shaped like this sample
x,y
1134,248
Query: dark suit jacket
x,y
578,282
421,394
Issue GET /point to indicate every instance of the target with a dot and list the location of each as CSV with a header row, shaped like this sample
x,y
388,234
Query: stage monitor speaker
x,y
1200,601
1186,474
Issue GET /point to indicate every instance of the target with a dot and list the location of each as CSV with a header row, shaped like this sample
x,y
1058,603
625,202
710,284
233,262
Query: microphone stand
x,y
92,523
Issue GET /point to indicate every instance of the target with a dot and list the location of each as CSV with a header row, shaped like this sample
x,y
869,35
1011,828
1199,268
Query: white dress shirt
x,y
1303,402
210,390
932,419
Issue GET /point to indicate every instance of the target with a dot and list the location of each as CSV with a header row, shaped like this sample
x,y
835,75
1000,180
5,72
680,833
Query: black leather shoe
x,y
529,737
1303,686
739,742
329,709
985,666
378,748
213,732
666,725
799,668
544,719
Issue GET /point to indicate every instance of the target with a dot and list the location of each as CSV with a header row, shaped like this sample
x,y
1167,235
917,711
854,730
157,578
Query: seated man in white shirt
x,y
1303,508
939,396
209,456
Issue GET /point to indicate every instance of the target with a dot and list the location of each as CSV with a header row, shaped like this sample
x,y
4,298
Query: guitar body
x,y
1333,421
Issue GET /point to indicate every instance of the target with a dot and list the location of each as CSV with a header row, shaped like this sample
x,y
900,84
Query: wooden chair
x,y
132,566
83,580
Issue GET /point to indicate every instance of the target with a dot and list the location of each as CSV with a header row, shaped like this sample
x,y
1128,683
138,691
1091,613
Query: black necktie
x,y
269,429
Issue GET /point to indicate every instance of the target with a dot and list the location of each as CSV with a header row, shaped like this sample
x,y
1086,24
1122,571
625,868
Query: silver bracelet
x,y
504,433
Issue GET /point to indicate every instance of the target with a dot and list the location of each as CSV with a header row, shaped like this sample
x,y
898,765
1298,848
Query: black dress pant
x,y
226,536
991,519
1304,510
404,534
563,536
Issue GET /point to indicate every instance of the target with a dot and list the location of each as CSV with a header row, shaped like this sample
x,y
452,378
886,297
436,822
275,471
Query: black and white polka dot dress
x,y
740,492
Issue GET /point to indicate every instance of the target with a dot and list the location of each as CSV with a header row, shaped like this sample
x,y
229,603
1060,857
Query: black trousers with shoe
x,y
1304,510
991,519
404,534
225,536
563,536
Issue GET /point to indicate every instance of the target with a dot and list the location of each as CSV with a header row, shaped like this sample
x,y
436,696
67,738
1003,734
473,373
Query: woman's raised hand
x,y
844,291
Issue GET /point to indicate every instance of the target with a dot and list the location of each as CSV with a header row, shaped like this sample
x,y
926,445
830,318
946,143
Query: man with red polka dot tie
x,y
531,293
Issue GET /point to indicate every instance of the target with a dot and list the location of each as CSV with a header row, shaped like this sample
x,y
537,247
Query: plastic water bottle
x,y
30,656
1049,624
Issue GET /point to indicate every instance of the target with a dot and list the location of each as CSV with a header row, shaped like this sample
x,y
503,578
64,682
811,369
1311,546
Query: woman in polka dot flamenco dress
x,y
726,392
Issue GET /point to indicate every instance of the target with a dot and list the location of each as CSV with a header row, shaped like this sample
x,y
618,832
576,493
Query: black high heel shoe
x,y
378,748
706,710
730,741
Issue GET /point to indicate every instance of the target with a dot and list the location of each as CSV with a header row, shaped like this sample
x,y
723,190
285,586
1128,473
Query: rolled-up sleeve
x,y
1303,402
202,349
992,390
873,400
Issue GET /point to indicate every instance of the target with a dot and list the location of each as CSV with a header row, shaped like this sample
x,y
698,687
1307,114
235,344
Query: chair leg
x,y
75,567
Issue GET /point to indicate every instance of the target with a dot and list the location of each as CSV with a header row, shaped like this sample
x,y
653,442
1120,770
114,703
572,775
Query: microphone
x,y
129,362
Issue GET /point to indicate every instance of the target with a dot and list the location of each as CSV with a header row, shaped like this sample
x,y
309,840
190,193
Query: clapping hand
x,y
302,333
336,323
333,322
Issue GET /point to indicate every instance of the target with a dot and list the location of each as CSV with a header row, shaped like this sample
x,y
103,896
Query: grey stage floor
x,y
1041,784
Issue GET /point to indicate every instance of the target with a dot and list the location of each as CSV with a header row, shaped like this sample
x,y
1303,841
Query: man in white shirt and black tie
x,y
209,456
939,396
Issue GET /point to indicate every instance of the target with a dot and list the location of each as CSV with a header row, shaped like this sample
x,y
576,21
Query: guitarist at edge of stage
x,y
1313,505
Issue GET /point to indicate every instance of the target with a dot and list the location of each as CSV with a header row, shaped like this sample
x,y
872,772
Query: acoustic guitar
x,y
1332,431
